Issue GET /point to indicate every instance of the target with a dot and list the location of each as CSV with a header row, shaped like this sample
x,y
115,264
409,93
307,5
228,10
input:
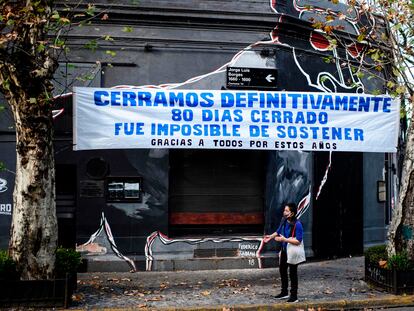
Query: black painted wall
x,y
171,42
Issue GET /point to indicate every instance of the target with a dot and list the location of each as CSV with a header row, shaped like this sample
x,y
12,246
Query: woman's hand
x,y
267,238
280,238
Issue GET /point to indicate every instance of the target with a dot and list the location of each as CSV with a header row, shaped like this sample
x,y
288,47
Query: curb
x,y
395,301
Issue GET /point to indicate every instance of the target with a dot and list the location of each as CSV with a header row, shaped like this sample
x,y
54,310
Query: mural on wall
x,y
288,173
248,247
128,215
102,243
342,77
349,18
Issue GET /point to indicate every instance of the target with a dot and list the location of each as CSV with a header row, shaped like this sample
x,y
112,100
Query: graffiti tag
x,y
5,209
3,185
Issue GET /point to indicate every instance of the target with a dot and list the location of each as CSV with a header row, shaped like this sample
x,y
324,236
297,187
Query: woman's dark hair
x,y
294,209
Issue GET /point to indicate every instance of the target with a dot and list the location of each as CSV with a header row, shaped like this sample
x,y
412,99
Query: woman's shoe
x,y
282,295
293,299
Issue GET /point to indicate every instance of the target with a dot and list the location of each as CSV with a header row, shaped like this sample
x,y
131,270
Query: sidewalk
x,y
335,284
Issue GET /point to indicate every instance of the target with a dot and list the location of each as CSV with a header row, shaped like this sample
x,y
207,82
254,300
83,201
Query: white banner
x,y
153,118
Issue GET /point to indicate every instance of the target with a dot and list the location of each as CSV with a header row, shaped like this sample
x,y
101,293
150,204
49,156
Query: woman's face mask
x,y
287,213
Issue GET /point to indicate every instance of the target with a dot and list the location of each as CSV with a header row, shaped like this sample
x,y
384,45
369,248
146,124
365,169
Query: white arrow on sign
x,y
269,78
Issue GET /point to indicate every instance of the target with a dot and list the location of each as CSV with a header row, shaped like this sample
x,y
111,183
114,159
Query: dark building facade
x,y
175,208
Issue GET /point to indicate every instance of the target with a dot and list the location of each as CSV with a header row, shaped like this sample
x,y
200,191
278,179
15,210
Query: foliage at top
x,y
386,41
25,45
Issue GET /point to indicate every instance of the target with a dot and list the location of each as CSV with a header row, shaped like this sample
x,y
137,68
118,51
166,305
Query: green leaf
x,y
2,166
32,100
361,37
400,89
111,53
59,42
108,38
397,26
2,107
360,74
376,55
6,84
317,25
390,84
40,48
333,43
327,59
395,71
55,15
85,77
64,21
90,10
92,45
127,29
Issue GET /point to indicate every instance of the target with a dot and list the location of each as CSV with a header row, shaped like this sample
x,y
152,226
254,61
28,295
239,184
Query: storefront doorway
x,y
338,212
215,192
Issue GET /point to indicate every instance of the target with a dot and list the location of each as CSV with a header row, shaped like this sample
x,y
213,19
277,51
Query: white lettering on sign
x,y
248,249
247,254
248,246
5,209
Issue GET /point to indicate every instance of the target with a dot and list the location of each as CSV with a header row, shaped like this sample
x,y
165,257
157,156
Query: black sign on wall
x,y
91,188
257,78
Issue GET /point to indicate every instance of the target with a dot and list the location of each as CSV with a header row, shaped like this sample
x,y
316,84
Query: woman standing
x,y
289,231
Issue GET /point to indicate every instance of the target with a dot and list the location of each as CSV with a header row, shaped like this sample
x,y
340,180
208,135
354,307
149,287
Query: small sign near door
x,y
124,189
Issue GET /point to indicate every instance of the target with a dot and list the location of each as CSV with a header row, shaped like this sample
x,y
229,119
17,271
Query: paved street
x,y
325,282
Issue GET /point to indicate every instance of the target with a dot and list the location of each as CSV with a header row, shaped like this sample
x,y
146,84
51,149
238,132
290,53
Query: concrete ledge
x,y
213,263
107,266
194,264
395,301
402,301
